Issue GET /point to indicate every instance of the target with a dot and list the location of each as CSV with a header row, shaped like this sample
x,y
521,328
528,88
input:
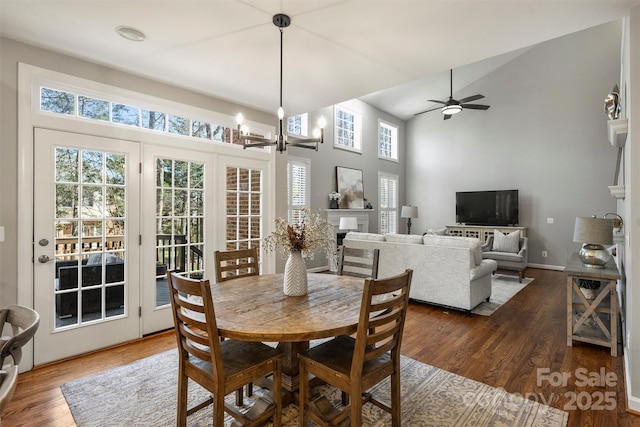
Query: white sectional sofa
x,y
447,270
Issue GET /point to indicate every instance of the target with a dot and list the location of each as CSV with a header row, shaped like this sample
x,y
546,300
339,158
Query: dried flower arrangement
x,y
312,232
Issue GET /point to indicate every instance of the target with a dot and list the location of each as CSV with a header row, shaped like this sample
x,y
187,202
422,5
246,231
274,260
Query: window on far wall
x,y
298,183
298,125
388,196
387,141
348,129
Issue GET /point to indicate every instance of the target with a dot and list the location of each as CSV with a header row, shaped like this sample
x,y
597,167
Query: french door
x,y
178,197
86,250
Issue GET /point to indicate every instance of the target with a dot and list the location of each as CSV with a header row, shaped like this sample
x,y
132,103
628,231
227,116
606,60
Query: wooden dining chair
x,y
355,365
221,367
236,263
233,264
358,262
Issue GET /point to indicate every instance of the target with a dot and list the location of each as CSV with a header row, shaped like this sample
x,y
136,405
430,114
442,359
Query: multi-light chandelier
x,y
281,139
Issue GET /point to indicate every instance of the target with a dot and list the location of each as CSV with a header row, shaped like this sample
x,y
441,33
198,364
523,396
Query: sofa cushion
x,y
506,242
470,243
440,232
403,238
503,256
355,235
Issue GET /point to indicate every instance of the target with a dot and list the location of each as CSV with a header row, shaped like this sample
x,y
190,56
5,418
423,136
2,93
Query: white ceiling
x,y
334,50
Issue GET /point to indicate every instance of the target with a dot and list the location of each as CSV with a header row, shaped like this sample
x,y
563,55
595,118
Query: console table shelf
x,y
482,232
593,321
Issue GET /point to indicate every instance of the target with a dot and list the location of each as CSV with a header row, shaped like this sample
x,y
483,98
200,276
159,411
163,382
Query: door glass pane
x,y
90,250
244,208
179,222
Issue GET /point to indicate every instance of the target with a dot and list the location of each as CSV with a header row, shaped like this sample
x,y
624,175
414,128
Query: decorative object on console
x,y
409,212
281,140
617,221
350,187
334,200
593,233
297,241
589,288
612,103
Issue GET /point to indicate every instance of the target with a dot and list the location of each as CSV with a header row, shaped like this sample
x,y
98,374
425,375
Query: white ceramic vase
x,y
295,275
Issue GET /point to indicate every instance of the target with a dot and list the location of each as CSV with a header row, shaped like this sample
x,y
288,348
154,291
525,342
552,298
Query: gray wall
x,y
545,135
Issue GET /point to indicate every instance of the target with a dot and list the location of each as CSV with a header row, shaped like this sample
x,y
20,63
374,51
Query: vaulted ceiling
x,y
393,53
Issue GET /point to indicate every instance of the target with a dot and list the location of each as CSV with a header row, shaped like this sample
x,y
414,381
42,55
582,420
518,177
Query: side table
x,y
592,321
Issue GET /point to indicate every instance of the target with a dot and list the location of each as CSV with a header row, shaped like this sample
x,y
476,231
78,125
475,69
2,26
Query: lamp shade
x,y
348,223
409,212
592,230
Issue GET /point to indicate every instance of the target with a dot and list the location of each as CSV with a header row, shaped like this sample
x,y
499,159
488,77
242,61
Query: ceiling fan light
x,y
451,109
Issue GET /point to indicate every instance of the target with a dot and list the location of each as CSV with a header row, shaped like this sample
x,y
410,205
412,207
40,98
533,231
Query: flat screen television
x,y
499,208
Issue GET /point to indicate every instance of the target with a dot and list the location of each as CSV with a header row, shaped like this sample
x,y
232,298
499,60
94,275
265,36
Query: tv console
x,y
482,232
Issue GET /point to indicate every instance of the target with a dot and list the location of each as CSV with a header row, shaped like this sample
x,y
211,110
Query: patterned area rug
x,y
144,393
503,288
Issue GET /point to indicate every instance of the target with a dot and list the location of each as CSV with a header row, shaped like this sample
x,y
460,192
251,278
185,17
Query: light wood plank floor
x,y
503,350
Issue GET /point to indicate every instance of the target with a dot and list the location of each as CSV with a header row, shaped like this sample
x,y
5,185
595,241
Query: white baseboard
x,y
547,266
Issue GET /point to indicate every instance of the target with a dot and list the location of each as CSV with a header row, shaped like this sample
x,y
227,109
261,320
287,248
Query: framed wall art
x,y
350,188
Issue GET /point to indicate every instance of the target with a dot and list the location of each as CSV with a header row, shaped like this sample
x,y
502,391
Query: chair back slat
x,y
236,263
194,315
358,262
382,317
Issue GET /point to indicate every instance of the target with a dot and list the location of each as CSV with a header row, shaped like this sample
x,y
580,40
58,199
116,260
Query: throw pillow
x,y
506,242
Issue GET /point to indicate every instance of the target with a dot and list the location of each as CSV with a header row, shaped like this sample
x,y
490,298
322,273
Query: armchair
x,y
510,261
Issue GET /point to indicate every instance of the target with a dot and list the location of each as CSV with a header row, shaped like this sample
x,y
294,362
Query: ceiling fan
x,y
454,106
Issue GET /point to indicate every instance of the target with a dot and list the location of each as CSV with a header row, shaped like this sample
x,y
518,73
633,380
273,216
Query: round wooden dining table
x,y
255,308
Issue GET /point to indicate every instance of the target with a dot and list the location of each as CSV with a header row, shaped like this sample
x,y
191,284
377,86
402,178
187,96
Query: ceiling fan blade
x,y
470,98
426,111
475,107
435,100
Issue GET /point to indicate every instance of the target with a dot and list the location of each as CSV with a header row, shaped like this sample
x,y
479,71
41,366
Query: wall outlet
x,y
549,220
544,254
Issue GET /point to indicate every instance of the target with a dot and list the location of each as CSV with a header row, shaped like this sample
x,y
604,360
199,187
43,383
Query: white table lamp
x,y
348,223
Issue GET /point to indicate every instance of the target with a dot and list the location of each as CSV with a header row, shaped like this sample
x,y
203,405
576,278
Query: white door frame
x,y
29,117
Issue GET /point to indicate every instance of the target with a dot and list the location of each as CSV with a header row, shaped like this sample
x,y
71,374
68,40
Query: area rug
x,y
503,288
144,393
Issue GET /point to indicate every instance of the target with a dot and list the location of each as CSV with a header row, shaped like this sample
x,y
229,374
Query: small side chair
x,y
221,367
355,365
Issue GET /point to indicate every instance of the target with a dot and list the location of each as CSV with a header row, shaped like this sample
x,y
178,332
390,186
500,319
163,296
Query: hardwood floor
x,y
504,350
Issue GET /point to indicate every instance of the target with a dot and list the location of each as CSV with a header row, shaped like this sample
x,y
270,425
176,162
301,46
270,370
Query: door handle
x,y
44,259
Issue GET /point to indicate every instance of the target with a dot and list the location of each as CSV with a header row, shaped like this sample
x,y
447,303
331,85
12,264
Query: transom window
x,y
112,111
348,129
387,141
388,192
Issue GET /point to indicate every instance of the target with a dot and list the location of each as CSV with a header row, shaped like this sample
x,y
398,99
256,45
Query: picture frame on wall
x,y
351,188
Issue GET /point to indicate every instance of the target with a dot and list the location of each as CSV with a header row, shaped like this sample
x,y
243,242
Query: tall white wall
x,y
545,135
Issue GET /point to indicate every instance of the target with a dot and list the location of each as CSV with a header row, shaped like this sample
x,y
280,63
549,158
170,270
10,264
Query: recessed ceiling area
x,y
394,54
